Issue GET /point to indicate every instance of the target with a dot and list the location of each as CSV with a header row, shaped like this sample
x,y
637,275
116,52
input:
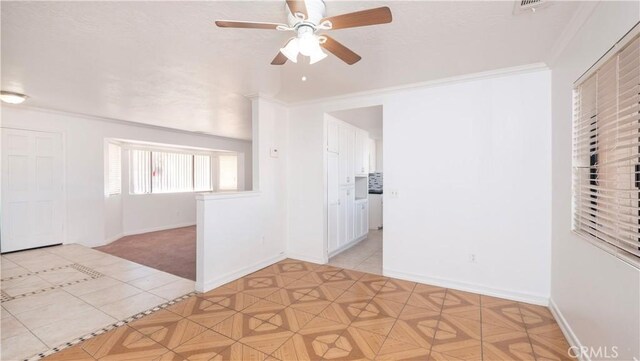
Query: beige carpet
x,y
172,251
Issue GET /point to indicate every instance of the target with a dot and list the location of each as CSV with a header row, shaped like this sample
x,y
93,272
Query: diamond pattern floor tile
x,y
295,310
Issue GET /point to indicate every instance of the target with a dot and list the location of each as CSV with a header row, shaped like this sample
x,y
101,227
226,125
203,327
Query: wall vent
x,y
529,6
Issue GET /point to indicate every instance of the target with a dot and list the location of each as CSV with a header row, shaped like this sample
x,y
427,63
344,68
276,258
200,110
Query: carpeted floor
x,y
172,251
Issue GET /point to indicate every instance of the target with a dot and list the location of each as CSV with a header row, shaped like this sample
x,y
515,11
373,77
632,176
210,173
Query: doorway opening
x,y
354,188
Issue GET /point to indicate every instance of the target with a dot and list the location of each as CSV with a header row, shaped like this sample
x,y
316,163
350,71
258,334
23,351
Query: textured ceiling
x,y
164,63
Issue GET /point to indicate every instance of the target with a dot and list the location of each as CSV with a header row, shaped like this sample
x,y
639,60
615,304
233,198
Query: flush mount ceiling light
x,y
306,18
12,97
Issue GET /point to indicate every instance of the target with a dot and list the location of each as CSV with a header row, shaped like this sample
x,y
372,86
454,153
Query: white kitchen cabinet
x,y
333,200
372,155
347,155
333,136
347,140
346,216
375,211
361,153
361,218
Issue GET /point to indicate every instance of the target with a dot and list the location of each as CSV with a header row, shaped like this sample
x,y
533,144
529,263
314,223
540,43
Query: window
x,y
228,172
165,171
114,155
606,151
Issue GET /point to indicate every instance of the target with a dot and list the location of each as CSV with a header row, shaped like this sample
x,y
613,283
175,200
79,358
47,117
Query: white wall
x,y
239,233
595,293
92,219
471,162
379,156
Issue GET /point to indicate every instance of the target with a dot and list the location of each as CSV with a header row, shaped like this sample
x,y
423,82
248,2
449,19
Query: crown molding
x,y
578,19
528,68
119,121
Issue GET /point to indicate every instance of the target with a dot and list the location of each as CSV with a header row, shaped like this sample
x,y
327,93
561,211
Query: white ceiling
x,y
165,63
367,118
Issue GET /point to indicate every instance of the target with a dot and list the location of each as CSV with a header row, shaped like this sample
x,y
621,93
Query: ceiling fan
x,y
306,18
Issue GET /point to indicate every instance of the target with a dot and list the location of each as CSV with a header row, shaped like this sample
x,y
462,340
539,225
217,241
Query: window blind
x,y
140,174
228,172
606,153
164,171
114,169
171,172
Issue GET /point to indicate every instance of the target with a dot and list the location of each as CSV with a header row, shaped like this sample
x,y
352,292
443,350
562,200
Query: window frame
x,y
597,241
108,190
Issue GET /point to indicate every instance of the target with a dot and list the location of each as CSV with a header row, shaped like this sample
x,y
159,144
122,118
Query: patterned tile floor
x,y
54,295
296,310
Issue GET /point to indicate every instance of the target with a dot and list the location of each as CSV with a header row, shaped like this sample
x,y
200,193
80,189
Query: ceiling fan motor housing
x,y
316,11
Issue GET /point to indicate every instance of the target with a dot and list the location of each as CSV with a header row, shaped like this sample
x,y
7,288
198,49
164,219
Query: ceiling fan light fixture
x,y
317,56
291,50
309,44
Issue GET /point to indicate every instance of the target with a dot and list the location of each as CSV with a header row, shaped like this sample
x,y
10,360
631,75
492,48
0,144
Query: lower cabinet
x,y
346,217
348,220
361,218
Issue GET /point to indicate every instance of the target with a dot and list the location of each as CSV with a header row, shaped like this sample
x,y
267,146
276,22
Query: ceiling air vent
x,y
525,6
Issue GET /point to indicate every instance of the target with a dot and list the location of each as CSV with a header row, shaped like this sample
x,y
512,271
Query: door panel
x,y
333,200
32,189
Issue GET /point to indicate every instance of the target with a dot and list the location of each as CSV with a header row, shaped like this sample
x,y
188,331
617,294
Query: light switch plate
x,y
274,152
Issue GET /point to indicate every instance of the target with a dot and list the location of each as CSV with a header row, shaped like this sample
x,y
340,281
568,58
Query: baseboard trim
x,y
146,230
464,286
219,281
112,239
566,329
160,228
304,258
348,245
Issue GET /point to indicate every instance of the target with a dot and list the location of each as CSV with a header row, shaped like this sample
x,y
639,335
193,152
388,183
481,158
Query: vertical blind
x,y
606,153
168,172
114,172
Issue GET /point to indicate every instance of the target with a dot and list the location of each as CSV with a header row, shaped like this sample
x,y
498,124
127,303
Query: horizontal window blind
x,y
606,153
114,169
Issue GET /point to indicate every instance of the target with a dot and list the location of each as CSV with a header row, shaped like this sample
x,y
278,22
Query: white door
x,y
32,193
333,200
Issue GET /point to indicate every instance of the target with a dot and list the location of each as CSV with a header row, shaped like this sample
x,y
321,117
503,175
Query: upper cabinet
x,y
362,153
352,146
347,170
372,155
333,137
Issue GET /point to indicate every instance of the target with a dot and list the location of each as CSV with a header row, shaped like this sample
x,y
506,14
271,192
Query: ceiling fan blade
x,y
280,59
247,24
341,51
375,16
298,6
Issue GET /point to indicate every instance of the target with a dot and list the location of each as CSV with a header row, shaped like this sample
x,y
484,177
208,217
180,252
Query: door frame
x,y
63,156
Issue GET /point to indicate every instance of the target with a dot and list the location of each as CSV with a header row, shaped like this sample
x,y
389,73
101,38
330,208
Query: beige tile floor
x,y
366,256
54,295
